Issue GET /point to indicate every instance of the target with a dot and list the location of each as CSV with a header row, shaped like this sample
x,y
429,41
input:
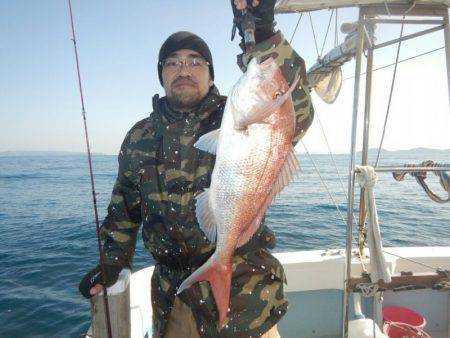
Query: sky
x,y
118,44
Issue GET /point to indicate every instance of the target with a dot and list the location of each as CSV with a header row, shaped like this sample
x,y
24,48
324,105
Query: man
x,y
160,173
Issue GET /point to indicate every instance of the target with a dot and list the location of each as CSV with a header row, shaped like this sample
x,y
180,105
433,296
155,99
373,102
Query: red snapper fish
x,y
255,160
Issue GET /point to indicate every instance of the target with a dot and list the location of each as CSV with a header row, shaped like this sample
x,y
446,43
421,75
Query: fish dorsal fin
x,y
208,142
287,172
205,217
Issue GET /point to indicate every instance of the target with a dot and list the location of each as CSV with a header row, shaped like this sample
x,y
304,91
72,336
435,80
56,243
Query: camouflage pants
x,y
257,301
182,323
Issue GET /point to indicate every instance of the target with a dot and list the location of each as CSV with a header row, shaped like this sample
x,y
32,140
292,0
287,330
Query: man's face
x,y
187,82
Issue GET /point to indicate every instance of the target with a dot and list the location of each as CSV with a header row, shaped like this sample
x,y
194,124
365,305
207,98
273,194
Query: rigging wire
x,y
412,260
390,94
314,35
326,34
403,60
323,182
333,160
323,132
326,139
91,173
336,35
387,8
331,153
296,26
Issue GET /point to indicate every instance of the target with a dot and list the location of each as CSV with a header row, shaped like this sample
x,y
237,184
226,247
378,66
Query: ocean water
x,y
49,239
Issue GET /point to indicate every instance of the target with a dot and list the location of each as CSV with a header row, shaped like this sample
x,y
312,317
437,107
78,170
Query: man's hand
x,y
242,4
92,283
262,10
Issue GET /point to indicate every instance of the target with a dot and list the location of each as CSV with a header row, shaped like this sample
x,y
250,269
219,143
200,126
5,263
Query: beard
x,y
184,99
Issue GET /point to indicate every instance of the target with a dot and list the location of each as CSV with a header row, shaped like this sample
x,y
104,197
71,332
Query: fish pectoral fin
x,y
208,142
287,172
205,216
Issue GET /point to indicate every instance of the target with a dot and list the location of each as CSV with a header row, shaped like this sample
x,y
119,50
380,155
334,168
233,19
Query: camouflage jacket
x,y
160,173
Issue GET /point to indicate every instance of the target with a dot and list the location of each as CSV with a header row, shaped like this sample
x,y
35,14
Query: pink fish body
x,y
255,160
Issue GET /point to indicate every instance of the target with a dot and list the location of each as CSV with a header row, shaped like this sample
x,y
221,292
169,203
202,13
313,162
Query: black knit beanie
x,y
184,40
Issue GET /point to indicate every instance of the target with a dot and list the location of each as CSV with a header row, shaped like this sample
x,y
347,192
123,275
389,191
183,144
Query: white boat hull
x,y
315,292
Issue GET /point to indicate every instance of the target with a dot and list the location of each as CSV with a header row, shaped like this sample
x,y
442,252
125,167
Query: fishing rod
x,y
94,198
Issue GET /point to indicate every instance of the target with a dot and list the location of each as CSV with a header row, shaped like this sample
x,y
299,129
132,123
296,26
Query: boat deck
x,y
315,293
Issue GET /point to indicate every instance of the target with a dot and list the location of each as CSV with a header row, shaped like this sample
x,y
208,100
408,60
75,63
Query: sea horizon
x,y
70,153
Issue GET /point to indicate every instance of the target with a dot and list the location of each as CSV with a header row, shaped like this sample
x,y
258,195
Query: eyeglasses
x,y
191,63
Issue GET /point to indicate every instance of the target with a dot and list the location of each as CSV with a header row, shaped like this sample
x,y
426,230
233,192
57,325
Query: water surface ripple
x,y
49,238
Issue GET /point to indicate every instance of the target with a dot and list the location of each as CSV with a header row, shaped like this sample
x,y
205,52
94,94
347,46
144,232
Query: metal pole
x,y
447,49
409,37
365,150
412,169
409,22
351,177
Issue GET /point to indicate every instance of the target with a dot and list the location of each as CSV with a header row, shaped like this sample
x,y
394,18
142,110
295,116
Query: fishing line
x,y
88,149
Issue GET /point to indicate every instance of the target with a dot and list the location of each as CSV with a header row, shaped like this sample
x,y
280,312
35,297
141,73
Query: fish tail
x,y
218,275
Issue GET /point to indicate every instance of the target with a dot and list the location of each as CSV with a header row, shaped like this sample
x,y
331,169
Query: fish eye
x,y
277,95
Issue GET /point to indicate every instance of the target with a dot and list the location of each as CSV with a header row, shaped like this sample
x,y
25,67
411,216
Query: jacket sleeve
x,y
121,225
292,66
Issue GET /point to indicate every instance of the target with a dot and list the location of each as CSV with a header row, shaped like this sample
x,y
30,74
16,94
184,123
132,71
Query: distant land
x,y
415,151
372,151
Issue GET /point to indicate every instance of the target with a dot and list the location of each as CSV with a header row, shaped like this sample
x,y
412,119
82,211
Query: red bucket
x,y
403,315
402,330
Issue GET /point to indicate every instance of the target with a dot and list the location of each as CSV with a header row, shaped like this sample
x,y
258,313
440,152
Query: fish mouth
x,y
266,64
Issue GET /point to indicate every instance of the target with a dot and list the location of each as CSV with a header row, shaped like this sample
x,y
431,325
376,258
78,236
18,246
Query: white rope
x,y
368,289
367,178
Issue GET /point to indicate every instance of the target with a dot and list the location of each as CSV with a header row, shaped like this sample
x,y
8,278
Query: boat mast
x,y
369,14
447,49
351,178
365,148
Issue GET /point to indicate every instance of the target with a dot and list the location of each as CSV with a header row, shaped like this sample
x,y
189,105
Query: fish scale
x,y
255,160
